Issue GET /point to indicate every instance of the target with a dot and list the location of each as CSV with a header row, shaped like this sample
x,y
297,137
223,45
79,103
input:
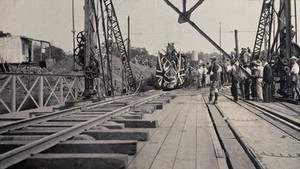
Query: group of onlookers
x,y
249,80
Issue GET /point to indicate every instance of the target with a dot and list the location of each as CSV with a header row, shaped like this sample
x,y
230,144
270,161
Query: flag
x,y
159,70
181,70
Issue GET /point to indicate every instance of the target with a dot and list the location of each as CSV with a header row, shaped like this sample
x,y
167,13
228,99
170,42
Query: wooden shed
x,y
15,49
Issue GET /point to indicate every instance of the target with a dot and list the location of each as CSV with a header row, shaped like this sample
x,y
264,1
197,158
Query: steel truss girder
x,y
120,43
264,28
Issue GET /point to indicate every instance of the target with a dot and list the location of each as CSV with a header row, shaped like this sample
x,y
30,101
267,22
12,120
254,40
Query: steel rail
x,y
275,116
290,108
268,111
16,155
250,153
46,117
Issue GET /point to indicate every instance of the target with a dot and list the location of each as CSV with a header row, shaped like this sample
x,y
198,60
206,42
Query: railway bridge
x,y
78,121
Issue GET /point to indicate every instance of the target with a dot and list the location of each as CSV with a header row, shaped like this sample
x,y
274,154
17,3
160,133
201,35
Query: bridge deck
x,y
194,135
191,136
185,138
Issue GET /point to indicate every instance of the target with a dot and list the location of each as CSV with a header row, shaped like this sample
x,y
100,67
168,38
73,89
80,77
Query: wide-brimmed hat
x,y
246,64
294,58
213,58
264,58
258,63
232,61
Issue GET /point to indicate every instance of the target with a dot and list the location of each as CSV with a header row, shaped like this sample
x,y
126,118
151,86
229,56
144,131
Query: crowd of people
x,y
248,80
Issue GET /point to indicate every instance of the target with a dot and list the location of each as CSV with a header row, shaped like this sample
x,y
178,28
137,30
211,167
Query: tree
x,y
2,34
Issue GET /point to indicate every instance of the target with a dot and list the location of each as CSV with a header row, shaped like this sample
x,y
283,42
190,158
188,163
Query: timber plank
x,y
186,155
71,161
56,124
166,157
80,146
118,135
137,123
237,155
148,152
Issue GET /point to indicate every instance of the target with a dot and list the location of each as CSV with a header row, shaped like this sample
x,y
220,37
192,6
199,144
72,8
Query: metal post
x,y
13,94
50,51
220,33
76,81
61,90
87,45
99,49
124,87
32,52
288,28
106,85
73,31
41,51
41,92
296,22
236,43
109,42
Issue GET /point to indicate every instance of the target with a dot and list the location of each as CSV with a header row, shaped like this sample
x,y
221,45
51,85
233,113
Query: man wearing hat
x,y
254,73
204,75
267,81
234,79
259,81
247,81
214,80
295,78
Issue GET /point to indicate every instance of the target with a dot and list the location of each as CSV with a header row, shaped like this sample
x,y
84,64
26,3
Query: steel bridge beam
x,y
198,29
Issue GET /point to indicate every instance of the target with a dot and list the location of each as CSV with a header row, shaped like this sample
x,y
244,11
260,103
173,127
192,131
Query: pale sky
x,y
153,23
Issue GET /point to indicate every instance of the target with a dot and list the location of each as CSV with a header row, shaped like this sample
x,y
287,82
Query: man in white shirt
x,y
295,78
260,69
204,75
228,72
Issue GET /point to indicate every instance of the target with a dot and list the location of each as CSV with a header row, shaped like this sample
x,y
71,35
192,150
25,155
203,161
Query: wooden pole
x,y
236,43
288,28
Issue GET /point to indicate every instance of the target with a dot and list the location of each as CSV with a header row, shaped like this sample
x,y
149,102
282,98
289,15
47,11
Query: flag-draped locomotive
x,y
170,69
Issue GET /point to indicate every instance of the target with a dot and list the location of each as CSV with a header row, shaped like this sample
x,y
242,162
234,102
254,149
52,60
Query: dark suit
x,y
214,82
234,83
268,80
254,73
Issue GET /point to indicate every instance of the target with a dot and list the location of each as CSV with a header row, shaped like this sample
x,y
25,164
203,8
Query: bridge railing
x,y
19,92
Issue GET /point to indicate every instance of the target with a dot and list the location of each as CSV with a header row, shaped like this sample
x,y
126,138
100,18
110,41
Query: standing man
x,y
199,76
242,77
247,81
267,81
259,82
234,79
295,78
214,80
204,75
228,72
254,73
197,72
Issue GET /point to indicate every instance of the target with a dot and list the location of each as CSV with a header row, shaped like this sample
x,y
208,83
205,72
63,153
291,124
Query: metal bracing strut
x,y
187,19
109,46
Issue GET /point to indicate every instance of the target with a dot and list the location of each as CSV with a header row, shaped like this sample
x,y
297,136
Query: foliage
x,y
57,53
3,34
141,56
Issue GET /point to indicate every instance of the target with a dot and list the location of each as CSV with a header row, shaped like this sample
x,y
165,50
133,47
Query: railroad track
x,y
276,113
105,120
244,120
